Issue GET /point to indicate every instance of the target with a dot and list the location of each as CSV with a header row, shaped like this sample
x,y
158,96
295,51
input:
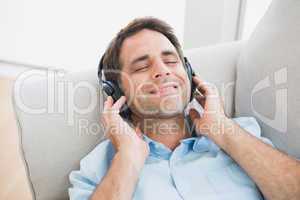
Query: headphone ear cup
x,y
112,89
106,87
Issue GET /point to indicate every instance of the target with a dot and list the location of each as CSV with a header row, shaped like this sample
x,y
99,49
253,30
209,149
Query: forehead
x,y
144,42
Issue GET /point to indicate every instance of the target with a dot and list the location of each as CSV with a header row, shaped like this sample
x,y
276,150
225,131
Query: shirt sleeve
x,y
251,126
93,168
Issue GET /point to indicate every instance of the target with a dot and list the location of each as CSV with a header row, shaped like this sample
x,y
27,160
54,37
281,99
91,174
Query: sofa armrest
x,y
217,64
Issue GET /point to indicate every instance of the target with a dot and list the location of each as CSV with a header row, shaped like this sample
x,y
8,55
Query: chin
x,y
164,115
166,106
165,112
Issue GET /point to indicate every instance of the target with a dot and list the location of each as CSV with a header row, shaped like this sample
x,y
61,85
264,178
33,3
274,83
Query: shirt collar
x,y
157,149
198,144
204,144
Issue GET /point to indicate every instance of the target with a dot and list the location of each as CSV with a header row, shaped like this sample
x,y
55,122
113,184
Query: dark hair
x,y
111,59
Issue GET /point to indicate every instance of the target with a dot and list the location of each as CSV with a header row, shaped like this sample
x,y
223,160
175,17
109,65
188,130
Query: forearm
x,y
120,180
276,174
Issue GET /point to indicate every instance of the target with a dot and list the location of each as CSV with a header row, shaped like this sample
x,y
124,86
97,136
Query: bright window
x,y
254,11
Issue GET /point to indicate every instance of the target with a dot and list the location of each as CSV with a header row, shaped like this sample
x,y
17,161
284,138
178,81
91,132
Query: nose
x,y
160,70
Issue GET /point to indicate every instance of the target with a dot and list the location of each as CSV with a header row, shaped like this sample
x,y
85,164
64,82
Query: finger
x,y
119,103
207,89
203,86
107,105
194,114
109,102
200,84
201,99
138,132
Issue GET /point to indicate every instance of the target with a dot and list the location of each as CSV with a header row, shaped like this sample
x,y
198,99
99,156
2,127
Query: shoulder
x,y
93,167
251,125
96,163
102,154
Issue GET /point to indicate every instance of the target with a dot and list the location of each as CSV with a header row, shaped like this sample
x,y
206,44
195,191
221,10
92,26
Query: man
x,y
154,156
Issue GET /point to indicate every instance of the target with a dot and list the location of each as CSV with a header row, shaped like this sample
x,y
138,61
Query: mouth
x,y
166,89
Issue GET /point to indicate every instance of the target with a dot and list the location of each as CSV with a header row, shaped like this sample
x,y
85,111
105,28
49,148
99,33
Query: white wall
x,y
73,34
209,22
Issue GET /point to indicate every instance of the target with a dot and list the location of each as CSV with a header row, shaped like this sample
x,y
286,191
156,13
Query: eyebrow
x,y
145,57
141,58
168,53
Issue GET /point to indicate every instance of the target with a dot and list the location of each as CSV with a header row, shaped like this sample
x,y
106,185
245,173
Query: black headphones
x,y
111,87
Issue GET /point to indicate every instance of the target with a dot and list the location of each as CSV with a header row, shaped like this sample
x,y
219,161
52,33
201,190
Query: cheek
x,y
185,85
184,79
128,87
131,87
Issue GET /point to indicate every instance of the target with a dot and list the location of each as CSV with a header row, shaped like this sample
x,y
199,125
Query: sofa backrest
x,y
268,75
58,115
58,130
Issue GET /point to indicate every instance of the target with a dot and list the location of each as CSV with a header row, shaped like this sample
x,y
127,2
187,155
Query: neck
x,y
168,131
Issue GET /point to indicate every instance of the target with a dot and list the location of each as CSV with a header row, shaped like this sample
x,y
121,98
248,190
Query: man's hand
x,y
276,174
213,116
131,152
127,141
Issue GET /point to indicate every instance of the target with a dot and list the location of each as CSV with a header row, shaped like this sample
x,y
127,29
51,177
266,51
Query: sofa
x,y
58,112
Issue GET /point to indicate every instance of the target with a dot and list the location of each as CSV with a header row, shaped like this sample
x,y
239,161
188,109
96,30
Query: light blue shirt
x,y
196,169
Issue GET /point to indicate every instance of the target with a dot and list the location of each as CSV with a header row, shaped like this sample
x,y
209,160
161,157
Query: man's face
x,y
153,77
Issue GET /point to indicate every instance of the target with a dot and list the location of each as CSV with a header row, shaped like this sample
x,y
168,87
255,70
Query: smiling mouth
x,y
166,89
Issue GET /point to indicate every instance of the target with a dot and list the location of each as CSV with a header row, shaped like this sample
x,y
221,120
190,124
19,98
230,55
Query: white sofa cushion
x,y
56,130
268,75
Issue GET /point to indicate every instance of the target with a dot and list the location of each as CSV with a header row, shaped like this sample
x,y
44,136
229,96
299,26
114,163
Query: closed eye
x,y
141,69
171,62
